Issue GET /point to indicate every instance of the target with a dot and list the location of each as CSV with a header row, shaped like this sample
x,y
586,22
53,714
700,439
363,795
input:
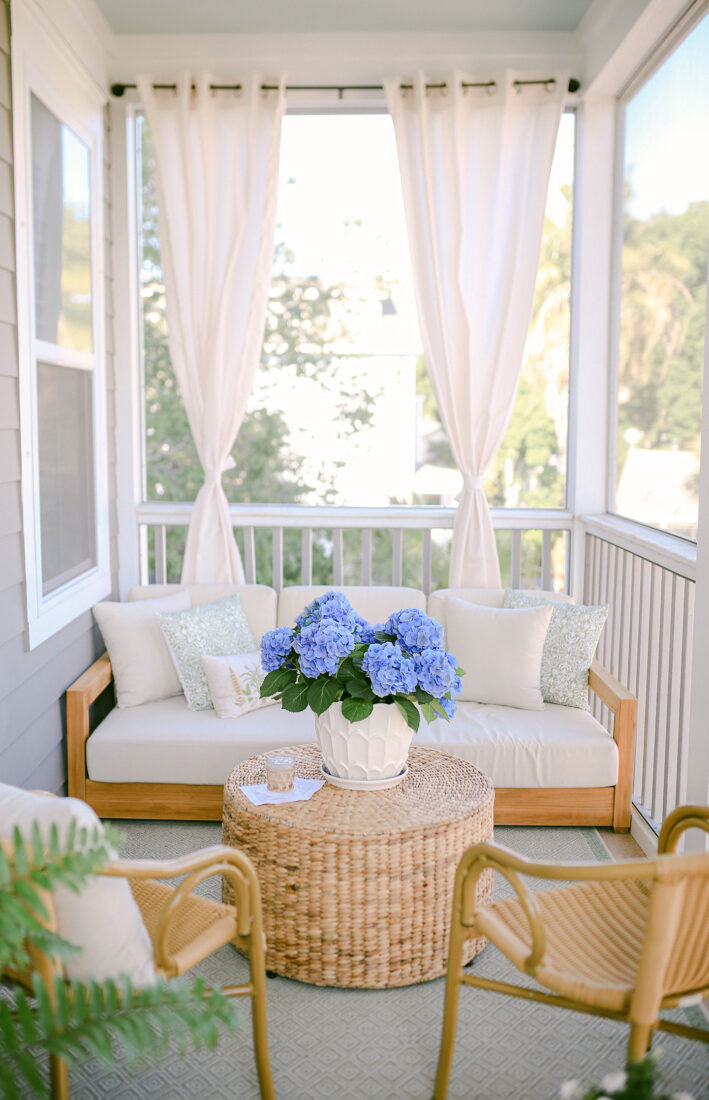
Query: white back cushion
x,y
102,918
486,597
143,669
500,651
257,600
375,603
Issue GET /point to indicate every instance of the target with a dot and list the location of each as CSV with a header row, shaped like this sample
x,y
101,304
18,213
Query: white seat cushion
x,y
554,747
166,742
102,918
374,603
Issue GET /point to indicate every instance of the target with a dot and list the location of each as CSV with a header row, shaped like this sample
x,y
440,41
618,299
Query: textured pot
x,y
375,748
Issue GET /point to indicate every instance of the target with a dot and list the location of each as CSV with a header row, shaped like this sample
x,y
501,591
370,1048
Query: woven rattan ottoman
x,y
357,886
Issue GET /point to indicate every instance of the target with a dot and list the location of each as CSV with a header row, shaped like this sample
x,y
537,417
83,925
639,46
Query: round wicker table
x,y
357,887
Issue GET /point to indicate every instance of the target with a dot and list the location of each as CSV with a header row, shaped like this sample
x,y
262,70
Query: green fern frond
x,y
97,1020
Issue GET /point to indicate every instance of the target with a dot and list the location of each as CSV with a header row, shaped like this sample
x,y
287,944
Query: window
x,y
60,331
663,292
342,412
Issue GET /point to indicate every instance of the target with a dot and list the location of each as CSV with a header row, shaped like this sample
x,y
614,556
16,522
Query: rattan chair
x,y
624,940
184,929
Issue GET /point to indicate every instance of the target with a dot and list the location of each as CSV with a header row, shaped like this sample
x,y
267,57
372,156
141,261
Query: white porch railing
x,y
514,527
647,579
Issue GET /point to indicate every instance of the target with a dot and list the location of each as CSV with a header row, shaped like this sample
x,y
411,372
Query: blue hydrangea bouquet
x,y
333,655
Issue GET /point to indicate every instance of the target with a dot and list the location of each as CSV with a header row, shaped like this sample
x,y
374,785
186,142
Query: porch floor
x,y
383,1044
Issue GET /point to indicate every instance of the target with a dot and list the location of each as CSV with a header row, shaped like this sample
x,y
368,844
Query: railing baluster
x,y
516,560
397,553
673,691
427,582
547,576
337,563
306,556
685,689
366,555
144,558
277,558
662,644
249,555
161,555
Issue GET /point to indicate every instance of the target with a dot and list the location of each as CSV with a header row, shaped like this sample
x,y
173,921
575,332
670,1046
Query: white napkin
x,y
303,789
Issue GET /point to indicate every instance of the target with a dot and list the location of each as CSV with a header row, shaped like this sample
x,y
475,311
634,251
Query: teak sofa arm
x,y
624,707
79,697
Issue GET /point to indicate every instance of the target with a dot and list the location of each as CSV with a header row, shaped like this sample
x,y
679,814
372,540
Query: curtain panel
x,y
216,157
475,167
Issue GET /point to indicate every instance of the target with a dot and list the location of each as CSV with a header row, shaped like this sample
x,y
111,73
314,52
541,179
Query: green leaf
x,y
360,688
439,709
346,669
295,697
428,712
460,671
322,693
355,710
410,712
277,680
382,637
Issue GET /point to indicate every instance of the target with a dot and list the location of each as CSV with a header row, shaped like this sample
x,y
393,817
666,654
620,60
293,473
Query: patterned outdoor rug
x,y
334,1044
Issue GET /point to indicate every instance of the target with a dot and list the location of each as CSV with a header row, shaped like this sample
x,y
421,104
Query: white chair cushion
x,y
486,597
374,603
500,651
167,743
102,918
258,600
143,669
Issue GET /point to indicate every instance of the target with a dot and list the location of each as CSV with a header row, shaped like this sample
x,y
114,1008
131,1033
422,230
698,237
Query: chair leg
x,y
59,1078
259,1017
639,1042
450,1012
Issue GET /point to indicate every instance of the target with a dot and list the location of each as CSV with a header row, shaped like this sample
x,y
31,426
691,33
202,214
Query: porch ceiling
x,y
308,16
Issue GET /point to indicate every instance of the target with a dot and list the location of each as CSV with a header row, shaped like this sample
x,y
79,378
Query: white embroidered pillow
x,y
234,683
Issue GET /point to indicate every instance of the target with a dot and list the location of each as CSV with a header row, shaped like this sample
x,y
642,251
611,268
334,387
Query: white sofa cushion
x,y
258,600
167,743
500,651
374,603
143,669
102,918
235,683
486,597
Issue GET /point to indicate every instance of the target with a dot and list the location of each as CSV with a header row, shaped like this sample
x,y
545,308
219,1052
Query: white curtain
x,y
216,158
475,167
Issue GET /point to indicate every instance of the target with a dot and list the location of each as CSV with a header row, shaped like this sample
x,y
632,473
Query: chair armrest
x,y
677,823
624,707
79,697
220,859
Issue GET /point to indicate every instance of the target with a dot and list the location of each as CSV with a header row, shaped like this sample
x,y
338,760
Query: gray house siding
x,y
32,683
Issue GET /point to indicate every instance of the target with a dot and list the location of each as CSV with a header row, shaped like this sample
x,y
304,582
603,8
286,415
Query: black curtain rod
x,y
119,89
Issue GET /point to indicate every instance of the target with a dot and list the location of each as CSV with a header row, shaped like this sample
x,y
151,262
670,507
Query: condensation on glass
x,y
61,203
663,296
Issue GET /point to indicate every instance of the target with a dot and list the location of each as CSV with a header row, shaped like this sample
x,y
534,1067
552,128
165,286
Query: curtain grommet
x,y
491,88
550,85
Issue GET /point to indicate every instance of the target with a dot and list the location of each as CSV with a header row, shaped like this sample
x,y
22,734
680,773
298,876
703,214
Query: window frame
x,y
42,66
662,51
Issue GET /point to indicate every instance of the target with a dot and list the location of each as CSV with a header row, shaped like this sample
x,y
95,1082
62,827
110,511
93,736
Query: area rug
x,y
383,1044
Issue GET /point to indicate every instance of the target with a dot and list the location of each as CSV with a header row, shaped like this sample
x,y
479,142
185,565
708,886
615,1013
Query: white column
x,y
129,417
698,748
590,319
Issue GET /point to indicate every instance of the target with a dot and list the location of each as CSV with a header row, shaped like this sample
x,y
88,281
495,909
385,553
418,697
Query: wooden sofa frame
x,y
605,806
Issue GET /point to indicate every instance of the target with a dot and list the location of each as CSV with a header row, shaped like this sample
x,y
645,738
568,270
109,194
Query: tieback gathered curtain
x,y
475,167
216,158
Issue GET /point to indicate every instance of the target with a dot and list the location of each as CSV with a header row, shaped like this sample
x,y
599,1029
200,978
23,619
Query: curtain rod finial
x,y
118,90
574,84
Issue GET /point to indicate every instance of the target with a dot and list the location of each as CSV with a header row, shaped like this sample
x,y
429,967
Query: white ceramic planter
x,y
375,748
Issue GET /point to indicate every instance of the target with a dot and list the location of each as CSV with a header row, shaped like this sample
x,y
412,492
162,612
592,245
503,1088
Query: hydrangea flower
x,y
320,645
275,647
448,706
364,631
390,670
436,673
333,605
415,630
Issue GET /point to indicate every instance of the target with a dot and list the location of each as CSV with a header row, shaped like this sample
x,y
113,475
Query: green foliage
x,y
100,1019
78,1020
640,1081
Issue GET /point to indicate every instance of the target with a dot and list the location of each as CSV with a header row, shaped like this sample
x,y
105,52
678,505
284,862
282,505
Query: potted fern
x,y
73,1021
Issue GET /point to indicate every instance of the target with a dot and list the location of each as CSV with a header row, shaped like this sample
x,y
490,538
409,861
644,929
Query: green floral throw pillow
x,y
217,629
569,647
